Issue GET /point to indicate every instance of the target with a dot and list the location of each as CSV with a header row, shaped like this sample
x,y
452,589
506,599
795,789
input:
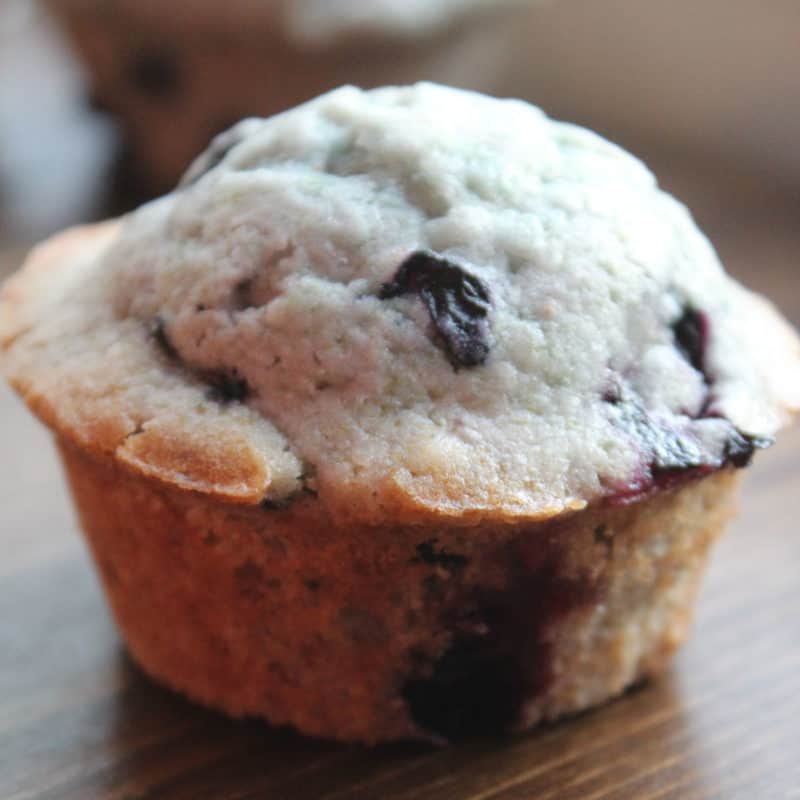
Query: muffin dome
x,y
419,299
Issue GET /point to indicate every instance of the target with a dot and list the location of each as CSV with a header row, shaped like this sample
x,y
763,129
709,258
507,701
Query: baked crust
x,y
356,633
92,398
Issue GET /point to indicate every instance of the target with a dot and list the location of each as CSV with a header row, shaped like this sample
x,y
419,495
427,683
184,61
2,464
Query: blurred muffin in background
x,y
176,73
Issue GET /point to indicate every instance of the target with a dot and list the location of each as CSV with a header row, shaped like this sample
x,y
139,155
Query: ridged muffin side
x,y
367,633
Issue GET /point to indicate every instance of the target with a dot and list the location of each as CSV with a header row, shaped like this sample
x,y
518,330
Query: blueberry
x,y
427,553
475,690
458,303
500,655
670,448
305,491
158,331
268,504
691,332
226,387
672,453
740,448
603,536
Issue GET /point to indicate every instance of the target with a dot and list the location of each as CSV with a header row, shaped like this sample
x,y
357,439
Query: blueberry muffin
x,y
173,74
410,413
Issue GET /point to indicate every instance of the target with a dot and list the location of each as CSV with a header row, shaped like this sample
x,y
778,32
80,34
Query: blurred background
x,y
104,102
102,105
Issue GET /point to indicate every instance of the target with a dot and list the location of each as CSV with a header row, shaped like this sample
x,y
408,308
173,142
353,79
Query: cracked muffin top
x,y
404,302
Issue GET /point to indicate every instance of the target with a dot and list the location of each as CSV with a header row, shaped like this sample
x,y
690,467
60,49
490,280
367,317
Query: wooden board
x,y
78,721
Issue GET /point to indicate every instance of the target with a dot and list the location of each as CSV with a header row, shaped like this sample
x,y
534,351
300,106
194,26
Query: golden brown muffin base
x,y
379,633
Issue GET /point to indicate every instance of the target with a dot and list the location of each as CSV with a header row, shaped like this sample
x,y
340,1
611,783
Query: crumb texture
x,y
402,301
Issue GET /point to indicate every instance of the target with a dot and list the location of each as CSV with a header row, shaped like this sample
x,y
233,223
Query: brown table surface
x,y
77,720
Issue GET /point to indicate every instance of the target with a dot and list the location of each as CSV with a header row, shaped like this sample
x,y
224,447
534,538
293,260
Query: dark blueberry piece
x,y
226,387
501,655
674,451
458,303
213,156
428,554
612,395
158,331
473,691
691,333
672,454
740,448
282,503
241,297
156,71
670,448
604,537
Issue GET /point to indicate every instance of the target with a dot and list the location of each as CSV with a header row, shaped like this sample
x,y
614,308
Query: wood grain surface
x,y
78,721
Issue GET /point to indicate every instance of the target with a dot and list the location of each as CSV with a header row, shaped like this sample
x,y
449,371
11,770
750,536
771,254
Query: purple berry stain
x,y
158,330
226,387
673,455
458,303
501,654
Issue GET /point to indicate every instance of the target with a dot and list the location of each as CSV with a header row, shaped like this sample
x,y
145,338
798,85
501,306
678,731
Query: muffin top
x,y
405,302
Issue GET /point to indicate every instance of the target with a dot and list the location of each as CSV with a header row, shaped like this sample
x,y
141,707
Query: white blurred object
x,y
321,20
53,154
